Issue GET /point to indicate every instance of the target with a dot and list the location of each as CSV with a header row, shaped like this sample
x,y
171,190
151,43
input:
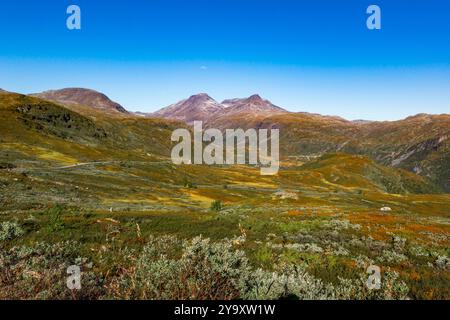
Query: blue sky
x,y
316,56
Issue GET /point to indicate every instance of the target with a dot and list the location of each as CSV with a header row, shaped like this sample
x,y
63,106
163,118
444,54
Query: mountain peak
x,y
201,94
82,97
200,97
198,107
255,97
254,104
202,107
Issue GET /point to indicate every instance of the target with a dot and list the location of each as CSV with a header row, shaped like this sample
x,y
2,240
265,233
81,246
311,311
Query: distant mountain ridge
x,y
202,107
82,97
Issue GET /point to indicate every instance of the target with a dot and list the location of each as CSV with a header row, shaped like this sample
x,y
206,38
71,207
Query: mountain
x,y
80,97
242,111
203,107
253,104
197,107
419,144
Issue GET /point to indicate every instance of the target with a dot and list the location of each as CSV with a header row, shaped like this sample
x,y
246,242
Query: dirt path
x,y
85,164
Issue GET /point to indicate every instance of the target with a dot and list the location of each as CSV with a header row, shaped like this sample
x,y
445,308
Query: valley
x,y
101,178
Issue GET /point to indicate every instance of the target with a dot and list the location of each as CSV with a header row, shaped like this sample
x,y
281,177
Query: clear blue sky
x,y
316,56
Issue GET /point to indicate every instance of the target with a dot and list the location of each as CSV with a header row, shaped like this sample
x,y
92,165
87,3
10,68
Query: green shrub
x,y
55,221
40,272
204,270
207,270
291,283
10,231
168,268
216,205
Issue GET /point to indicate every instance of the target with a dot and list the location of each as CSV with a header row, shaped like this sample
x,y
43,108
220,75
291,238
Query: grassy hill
x,y
362,172
39,129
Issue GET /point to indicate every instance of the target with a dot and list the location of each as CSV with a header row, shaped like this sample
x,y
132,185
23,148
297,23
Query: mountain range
x,y
419,144
203,107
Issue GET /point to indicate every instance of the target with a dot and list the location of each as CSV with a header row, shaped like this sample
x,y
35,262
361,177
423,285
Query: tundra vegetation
x,y
92,191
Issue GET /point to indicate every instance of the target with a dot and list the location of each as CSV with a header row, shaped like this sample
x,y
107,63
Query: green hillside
x,y
36,129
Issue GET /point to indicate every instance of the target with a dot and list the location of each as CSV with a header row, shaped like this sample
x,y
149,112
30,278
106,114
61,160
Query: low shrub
x,y
40,272
205,270
167,268
10,231
216,205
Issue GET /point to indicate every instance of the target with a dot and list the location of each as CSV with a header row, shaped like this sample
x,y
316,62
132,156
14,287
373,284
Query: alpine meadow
x,y
225,150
